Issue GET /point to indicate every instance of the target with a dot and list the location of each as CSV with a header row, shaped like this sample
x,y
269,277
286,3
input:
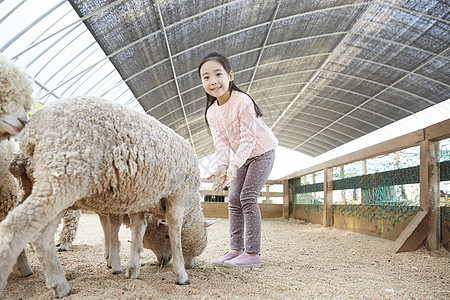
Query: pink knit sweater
x,y
234,126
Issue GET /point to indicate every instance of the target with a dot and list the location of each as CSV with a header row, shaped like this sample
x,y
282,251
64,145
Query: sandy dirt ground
x,y
300,261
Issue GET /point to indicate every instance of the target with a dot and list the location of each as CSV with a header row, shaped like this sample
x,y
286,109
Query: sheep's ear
x,y
162,223
209,223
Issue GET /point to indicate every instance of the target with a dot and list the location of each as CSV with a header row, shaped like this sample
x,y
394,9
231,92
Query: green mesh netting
x,y
381,188
445,179
311,198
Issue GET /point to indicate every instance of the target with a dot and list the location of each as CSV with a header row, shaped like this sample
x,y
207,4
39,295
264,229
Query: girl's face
x,y
216,81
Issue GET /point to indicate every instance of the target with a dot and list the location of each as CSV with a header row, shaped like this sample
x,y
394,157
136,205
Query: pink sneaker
x,y
227,256
244,261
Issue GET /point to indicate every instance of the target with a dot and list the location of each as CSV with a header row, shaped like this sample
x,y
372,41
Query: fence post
x,y
286,200
429,191
328,197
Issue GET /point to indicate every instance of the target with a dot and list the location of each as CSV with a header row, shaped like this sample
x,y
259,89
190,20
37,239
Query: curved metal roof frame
x,y
324,73
61,37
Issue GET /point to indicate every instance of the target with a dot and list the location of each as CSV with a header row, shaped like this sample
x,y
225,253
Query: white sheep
x,y
21,167
109,159
15,98
156,236
10,196
15,102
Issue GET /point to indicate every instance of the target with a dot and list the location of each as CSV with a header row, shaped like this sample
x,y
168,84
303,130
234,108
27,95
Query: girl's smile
x,y
216,81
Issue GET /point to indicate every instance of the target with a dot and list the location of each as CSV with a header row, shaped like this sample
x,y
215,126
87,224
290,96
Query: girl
x,y
235,122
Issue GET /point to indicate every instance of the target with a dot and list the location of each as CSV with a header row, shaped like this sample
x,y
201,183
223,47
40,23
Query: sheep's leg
x,y
45,252
114,251
22,224
71,220
104,221
189,261
22,265
175,220
111,226
138,226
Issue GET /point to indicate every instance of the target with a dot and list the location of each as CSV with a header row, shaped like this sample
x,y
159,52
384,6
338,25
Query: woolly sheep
x,y
15,98
108,159
156,237
10,196
22,168
15,102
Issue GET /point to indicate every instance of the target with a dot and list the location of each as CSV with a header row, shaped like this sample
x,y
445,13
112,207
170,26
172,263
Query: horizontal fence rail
x,y
215,203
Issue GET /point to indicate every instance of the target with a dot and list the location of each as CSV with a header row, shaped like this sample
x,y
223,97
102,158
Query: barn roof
x,y
323,72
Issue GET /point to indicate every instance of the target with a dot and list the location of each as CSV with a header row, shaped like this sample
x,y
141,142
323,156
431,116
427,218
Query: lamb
x,y
109,159
15,98
21,167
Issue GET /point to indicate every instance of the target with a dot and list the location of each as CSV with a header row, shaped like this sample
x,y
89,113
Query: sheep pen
x,y
299,261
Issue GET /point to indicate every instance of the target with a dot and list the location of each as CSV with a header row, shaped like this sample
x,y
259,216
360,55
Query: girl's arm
x,y
221,144
247,130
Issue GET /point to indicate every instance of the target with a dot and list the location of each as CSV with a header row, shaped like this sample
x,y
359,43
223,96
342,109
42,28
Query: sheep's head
x,y
15,98
156,238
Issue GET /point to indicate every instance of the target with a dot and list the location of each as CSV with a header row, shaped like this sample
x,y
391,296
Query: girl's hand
x,y
219,176
231,175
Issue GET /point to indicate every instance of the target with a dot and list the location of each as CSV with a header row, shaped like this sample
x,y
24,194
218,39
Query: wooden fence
x,y
219,209
423,226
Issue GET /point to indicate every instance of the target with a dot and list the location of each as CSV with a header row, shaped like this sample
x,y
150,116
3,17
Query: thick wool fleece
x,y
111,152
9,189
22,168
108,159
15,87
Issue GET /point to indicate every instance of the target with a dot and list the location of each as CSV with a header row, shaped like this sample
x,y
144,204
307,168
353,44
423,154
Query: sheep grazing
x,y
159,242
156,238
111,160
22,168
15,98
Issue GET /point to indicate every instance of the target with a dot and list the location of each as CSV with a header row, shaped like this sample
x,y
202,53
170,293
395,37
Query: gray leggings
x,y
243,202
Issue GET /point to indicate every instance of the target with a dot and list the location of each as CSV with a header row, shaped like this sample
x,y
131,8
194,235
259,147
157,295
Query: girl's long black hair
x,y
226,65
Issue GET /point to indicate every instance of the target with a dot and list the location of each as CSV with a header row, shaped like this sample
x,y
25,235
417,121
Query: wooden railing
x,y
213,209
264,193
426,224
